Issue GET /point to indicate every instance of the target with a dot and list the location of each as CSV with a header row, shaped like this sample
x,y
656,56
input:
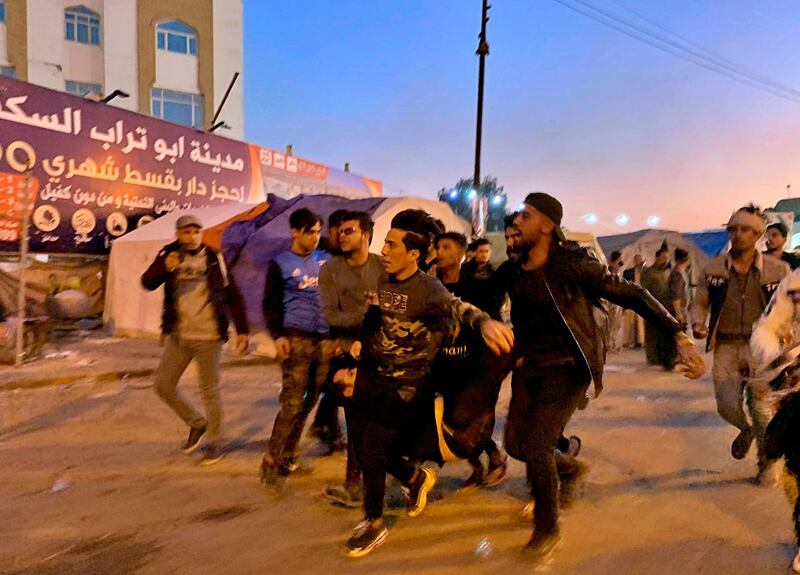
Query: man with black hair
x,y
733,291
467,374
615,313
325,425
344,282
678,300
512,236
777,234
293,312
559,349
391,388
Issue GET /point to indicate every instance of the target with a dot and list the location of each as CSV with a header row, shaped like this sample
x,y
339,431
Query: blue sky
x,y
606,123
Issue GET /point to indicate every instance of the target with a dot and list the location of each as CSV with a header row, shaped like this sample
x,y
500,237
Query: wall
x,y
121,66
46,43
229,58
195,13
17,37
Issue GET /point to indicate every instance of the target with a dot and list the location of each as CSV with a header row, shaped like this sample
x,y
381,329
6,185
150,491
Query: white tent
x,y
130,310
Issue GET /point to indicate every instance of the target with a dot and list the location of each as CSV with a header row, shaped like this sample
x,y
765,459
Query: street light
x,y
653,221
472,194
590,218
623,219
453,194
497,200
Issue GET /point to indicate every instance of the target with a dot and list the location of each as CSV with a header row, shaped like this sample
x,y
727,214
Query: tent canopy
x,y
250,238
647,242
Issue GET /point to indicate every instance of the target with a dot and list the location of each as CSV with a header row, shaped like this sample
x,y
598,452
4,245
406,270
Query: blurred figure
x,y
615,312
777,234
632,324
679,288
659,349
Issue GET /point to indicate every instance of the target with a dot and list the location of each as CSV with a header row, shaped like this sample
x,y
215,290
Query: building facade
x,y
174,58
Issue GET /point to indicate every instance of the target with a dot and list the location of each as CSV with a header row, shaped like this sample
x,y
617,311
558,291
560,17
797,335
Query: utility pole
x,y
482,52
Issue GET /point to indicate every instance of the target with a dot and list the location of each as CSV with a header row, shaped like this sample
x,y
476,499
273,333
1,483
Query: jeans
x,y
178,353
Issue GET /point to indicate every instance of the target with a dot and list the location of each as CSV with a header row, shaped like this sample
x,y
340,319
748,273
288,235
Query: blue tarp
x,y
711,242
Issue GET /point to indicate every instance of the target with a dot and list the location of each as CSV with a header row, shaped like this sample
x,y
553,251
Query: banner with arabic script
x,y
98,171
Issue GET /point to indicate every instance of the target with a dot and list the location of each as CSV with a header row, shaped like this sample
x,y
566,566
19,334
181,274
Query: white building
x,y
174,58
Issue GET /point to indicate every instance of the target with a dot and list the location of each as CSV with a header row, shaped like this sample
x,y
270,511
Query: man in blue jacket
x,y
293,312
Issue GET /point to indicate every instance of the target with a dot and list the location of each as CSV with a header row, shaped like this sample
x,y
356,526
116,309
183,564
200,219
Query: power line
x,y
706,60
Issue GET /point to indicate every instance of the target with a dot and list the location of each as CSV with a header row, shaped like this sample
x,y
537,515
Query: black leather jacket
x,y
577,282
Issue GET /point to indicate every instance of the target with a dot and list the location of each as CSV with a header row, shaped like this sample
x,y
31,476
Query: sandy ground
x,y
93,482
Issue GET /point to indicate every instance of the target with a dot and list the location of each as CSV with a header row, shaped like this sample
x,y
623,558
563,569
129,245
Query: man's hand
x,y
699,331
172,261
692,364
282,348
242,341
498,336
346,380
355,349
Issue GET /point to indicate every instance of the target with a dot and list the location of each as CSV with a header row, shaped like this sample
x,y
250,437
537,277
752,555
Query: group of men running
x,y
417,359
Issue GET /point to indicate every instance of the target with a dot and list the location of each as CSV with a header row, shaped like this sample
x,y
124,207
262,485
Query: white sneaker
x,y
796,562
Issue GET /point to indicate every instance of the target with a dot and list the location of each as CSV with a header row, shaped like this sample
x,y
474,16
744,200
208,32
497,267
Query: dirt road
x,y
93,482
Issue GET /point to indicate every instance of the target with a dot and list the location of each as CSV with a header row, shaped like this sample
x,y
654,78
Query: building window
x,y
7,71
83,88
82,25
176,37
2,11
178,107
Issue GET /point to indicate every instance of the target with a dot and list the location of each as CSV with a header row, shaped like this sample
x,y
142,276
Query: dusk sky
x,y
604,122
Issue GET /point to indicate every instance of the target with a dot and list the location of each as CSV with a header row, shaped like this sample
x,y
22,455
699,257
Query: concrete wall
x,y
3,50
17,36
177,72
121,63
46,43
83,62
229,58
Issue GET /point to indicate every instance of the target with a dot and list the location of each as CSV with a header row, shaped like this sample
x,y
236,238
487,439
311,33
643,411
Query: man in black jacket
x,y
559,348
199,295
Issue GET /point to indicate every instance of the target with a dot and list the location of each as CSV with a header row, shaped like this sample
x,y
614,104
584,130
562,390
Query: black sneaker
x,y
741,445
196,435
341,495
497,471
475,480
366,537
211,455
542,545
418,491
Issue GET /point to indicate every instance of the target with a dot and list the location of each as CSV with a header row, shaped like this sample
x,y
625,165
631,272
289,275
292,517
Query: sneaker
x,y
211,455
541,546
569,485
366,537
196,435
574,446
497,471
269,473
474,481
767,475
340,495
741,445
527,512
796,562
418,491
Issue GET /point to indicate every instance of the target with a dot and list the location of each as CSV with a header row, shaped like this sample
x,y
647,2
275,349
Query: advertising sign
x,y
98,171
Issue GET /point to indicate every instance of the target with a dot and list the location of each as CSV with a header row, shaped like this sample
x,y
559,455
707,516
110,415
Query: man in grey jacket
x,y
735,288
344,283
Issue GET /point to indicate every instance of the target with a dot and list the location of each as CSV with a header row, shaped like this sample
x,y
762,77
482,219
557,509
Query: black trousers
x,y
384,427
542,402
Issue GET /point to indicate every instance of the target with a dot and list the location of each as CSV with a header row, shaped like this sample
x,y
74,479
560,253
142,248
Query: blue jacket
x,y
292,303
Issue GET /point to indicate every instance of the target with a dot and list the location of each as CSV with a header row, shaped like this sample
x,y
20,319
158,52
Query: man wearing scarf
x,y
735,288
